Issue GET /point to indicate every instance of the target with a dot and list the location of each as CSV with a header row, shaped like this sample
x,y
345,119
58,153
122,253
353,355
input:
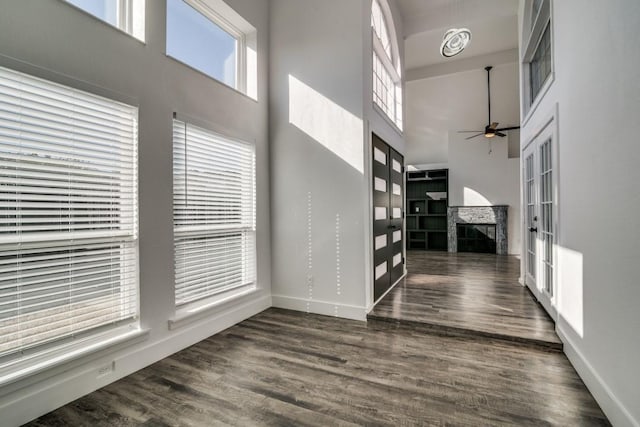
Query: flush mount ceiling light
x,y
454,41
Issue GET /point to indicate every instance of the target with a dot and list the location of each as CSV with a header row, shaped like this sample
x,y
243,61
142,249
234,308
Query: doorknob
x,y
533,229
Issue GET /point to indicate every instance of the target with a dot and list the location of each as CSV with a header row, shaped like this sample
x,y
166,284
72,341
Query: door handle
x,y
533,229
393,227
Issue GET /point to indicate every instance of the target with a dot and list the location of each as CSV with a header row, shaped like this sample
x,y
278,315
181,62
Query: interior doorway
x,y
388,216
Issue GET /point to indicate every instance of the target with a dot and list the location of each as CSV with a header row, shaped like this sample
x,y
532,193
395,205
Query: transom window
x,y
387,84
213,39
537,58
213,213
540,65
127,15
68,214
536,5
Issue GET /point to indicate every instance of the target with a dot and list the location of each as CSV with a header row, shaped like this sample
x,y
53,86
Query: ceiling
x,y
493,24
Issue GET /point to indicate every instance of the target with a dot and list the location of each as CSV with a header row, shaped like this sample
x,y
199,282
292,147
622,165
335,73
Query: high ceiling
x,y
493,24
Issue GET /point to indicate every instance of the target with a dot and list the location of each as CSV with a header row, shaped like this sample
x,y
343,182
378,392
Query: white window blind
x,y
213,213
68,219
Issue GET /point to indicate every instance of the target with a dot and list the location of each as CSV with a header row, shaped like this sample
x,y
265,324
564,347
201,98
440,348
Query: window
x,y
536,5
213,213
387,84
540,65
127,15
537,58
68,214
212,38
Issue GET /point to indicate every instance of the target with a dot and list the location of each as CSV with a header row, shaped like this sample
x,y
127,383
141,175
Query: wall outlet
x,y
107,369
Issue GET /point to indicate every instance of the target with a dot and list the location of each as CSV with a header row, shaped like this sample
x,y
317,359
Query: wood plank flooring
x,y
285,368
468,293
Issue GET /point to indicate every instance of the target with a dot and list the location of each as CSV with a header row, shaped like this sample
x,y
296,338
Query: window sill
x,y
102,21
538,100
204,308
386,118
221,83
55,358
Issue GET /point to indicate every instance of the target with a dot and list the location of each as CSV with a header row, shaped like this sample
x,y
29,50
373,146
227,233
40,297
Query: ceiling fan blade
x,y
500,134
493,125
508,128
473,136
469,131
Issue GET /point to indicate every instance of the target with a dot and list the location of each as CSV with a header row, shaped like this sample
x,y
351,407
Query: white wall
x,y
477,178
457,101
56,41
597,92
317,157
440,106
321,119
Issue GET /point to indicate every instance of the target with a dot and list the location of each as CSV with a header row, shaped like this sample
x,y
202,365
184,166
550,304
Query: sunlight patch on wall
x,y
570,288
335,128
473,198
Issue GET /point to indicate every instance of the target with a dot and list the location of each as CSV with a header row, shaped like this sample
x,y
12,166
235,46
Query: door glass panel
x,y
396,166
379,156
381,270
397,190
380,213
397,236
530,200
381,241
380,184
546,212
397,259
397,213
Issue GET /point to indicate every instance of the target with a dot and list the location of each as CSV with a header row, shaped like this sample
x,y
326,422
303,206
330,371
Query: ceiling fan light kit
x,y
454,41
491,130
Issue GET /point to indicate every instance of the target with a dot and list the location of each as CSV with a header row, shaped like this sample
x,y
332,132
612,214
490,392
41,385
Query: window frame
x,y
538,25
196,307
39,356
229,21
126,10
532,95
390,62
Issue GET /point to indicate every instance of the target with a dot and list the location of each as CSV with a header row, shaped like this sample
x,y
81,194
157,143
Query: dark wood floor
x,y
288,368
468,293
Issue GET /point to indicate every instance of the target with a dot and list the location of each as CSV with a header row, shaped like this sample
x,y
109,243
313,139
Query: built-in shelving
x,y
427,202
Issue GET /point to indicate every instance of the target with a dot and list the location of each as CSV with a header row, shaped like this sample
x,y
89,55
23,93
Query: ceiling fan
x,y
491,129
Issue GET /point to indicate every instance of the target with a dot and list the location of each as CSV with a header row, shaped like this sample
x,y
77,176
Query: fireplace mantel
x,y
496,214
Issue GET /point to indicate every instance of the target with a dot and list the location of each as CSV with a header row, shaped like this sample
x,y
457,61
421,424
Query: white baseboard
x,y
610,404
320,307
52,392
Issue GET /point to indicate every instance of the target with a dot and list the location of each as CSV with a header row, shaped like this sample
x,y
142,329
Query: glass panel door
x,y
531,218
546,213
540,218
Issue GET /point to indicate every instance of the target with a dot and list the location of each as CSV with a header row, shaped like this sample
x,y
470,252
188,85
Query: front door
x,y
540,219
388,218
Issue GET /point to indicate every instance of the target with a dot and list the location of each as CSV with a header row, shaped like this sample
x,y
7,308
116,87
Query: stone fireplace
x,y
478,215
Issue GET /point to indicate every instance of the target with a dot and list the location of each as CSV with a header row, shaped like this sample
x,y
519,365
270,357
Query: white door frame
x,y
546,131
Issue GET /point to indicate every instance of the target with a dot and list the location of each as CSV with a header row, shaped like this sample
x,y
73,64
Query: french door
x,y
539,178
388,199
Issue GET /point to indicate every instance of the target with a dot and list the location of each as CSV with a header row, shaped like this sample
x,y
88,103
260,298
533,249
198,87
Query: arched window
x,y
387,84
